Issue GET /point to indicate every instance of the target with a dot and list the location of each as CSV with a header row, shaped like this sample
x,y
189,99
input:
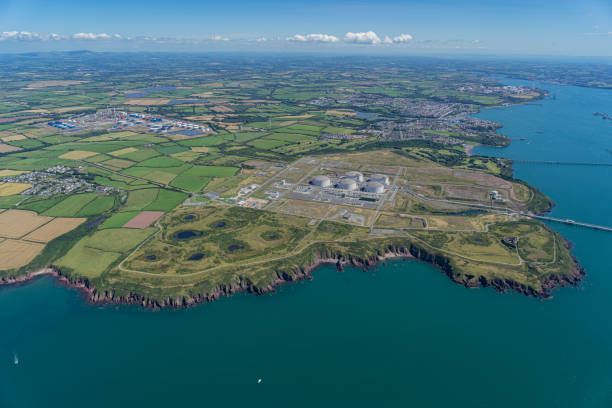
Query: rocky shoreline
x,y
243,285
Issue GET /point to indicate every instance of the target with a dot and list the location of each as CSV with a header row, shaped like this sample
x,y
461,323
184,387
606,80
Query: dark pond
x,y
233,248
467,212
196,257
186,234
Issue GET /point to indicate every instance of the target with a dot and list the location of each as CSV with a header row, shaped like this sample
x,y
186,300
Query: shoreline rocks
x,y
244,285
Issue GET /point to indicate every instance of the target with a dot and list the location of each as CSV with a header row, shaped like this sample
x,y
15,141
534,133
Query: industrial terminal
x,y
115,120
349,188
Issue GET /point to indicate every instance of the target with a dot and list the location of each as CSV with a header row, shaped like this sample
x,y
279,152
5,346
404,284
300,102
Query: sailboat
x,y
15,359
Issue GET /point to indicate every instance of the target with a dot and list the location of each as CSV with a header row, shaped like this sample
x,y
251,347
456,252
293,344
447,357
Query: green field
x,y
202,141
97,206
70,206
138,199
118,220
105,246
40,204
9,201
160,162
290,137
194,179
267,143
166,200
78,260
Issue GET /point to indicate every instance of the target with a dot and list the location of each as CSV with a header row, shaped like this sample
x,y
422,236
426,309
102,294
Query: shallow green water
x,y
401,334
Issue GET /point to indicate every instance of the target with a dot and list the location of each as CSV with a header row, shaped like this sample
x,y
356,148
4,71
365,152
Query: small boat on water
x,y
15,359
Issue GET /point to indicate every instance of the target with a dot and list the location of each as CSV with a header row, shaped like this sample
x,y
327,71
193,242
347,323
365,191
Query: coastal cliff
x,y
97,294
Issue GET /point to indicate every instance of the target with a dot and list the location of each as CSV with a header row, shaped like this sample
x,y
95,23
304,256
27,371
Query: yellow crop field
x,y
15,254
9,189
201,149
121,152
12,138
287,123
59,82
304,116
17,223
77,155
8,173
5,148
160,176
54,229
72,108
147,101
221,109
338,112
118,163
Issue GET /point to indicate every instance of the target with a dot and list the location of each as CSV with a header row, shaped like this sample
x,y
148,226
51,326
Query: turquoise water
x,y
401,334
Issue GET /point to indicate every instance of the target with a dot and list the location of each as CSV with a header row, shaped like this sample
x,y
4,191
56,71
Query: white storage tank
x,y
347,183
374,187
355,175
379,178
321,181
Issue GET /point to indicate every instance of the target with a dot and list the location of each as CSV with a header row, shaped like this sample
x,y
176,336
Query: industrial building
x,y
355,175
374,187
379,178
347,183
321,181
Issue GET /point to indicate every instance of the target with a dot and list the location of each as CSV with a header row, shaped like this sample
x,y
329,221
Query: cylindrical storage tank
x,y
347,183
374,187
379,178
355,175
321,181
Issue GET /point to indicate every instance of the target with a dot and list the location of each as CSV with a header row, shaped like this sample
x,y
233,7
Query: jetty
x,y
563,163
571,222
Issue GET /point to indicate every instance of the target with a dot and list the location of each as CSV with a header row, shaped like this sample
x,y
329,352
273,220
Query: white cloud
x,y
387,40
322,38
219,38
27,36
369,37
91,36
402,38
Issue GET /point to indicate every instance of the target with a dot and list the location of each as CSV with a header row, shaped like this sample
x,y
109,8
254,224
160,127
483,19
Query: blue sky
x,y
546,27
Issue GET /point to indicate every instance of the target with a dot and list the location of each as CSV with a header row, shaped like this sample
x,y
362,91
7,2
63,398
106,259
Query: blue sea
x,y
400,334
